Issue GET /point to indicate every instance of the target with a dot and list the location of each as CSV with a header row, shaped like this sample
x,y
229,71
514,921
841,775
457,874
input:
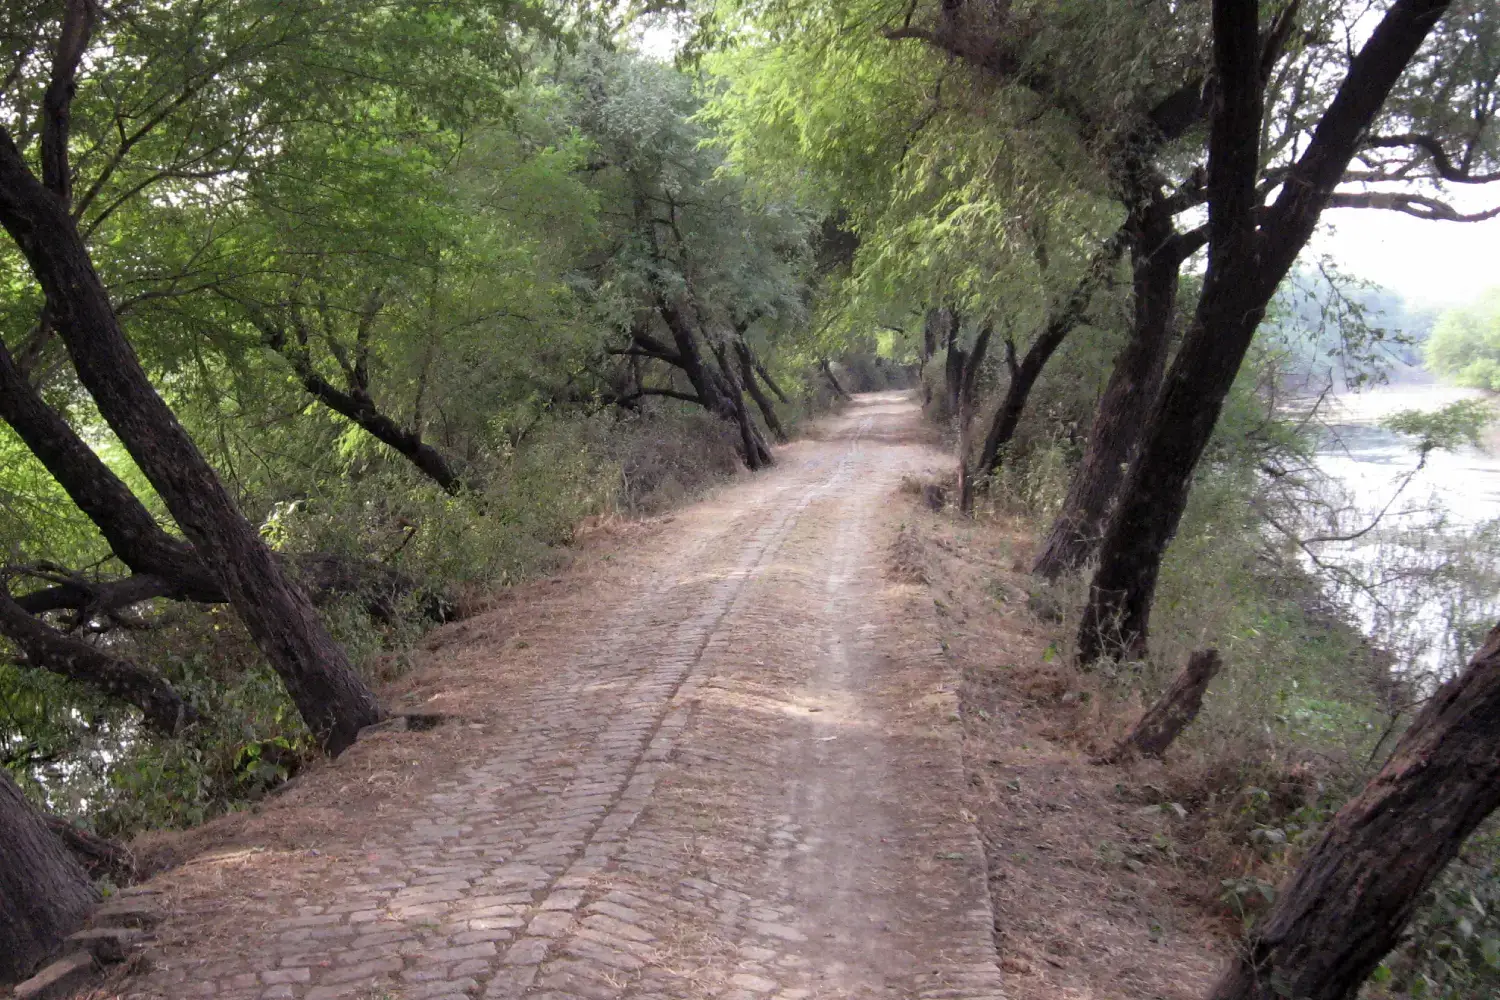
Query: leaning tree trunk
x,y
1174,711
762,401
833,380
1348,902
333,700
132,533
45,894
757,452
1120,414
1023,376
45,648
1156,487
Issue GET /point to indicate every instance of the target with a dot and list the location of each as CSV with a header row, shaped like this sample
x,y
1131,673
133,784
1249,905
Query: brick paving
x,y
743,783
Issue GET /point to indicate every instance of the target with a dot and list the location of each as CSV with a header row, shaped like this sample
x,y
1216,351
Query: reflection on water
x,y
1425,579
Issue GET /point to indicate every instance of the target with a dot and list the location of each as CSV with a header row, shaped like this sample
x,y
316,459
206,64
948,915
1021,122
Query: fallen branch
x,y
1173,712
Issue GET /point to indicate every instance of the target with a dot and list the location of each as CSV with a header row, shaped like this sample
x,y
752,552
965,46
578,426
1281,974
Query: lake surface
x,y
1371,461
1423,577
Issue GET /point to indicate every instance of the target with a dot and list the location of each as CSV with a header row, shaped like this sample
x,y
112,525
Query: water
x,y
1370,461
1425,581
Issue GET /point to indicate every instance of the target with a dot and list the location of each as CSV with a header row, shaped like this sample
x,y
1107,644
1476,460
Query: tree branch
x,y
57,103
1418,205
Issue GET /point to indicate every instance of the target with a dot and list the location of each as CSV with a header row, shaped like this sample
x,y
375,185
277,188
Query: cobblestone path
x,y
740,781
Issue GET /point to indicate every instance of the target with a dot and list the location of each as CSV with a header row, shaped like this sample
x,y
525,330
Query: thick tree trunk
x,y
766,407
1250,250
99,857
1174,711
968,389
1346,905
133,534
164,566
46,648
1120,415
1023,376
45,894
333,701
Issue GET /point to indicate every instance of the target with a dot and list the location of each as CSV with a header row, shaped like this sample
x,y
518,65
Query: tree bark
x,y
953,359
1156,262
1250,251
757,452
99,857
45,894
333,701
766,407
968,384
833,379
133,534
1346,905
46,648
1174,711
1023,376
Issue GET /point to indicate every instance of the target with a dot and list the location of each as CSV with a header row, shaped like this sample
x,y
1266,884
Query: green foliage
x,y
1465,343
1452,948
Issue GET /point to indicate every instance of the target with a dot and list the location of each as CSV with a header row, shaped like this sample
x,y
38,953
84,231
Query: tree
x,y
693,261
1353,894
36,213
45,894
1252,246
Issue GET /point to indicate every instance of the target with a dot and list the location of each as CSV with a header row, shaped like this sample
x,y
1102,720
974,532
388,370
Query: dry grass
x,y
1098,892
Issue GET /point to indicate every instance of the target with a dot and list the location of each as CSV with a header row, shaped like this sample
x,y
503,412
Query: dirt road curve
x,y
736,776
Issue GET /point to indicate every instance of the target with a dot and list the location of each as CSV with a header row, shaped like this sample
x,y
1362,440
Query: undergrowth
x,y
1303,713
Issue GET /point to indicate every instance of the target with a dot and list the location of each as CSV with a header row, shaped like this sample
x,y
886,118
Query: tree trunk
x,y
1120,415
133,534
953,360
833,379
765,377
333,700
1023,376
1346,905
968,384
48,649
1250,250
757,452
931,333
45,894
747,376
1174,711
99,857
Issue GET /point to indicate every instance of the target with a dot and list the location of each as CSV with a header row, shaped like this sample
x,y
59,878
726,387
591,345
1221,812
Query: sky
x,y
1436,264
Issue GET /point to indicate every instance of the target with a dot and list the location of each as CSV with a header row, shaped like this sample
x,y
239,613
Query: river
x,y
1427,576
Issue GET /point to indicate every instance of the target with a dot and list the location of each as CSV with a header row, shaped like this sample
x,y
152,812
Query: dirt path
x,y
725,765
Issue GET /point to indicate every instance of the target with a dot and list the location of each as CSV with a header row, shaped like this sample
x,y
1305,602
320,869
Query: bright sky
x,y
1430,263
